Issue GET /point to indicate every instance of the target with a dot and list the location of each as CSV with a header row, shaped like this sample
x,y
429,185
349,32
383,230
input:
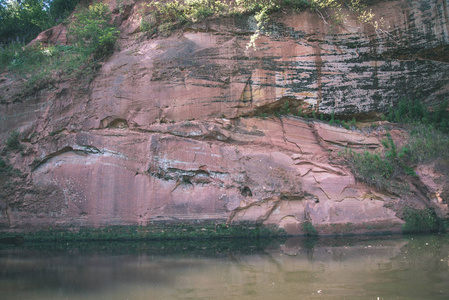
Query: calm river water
x,y
410,267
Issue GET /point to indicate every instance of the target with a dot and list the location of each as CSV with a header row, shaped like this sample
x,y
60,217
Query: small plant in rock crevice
x,y
13,141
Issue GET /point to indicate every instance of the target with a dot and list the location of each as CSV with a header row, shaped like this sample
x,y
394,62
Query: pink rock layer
x,y
168,128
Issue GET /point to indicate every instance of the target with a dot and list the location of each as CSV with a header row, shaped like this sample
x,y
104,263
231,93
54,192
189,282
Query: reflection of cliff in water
x,y
335,268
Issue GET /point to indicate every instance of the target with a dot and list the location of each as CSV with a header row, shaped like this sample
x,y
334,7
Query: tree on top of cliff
x,y
23,20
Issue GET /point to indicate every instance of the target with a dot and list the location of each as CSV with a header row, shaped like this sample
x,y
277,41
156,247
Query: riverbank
x,y
199,230
150,232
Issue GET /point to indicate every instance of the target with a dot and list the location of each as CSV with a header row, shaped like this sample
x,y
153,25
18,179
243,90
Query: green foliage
x,y
13,142
309,229
23,20
91,30
415,112
388,143
343,124
7,172
22,60
372,168
286,109
254,6
3,166
200,9
169,15
10,56
382,170
424,220
426,144
429,139
322,4
332,9
332,120
352,122
297,4
39,66
61,9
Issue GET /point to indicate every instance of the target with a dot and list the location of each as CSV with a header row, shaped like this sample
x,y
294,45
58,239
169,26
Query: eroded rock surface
x,y
169,129
268,171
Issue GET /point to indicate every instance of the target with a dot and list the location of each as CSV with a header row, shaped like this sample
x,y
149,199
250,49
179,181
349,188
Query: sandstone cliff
x,y
170,128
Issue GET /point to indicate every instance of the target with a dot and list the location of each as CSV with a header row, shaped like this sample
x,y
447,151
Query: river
x,y
405,267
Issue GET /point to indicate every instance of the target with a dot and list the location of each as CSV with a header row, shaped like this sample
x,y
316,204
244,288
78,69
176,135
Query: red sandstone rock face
x,y
207,70
167,131
270,171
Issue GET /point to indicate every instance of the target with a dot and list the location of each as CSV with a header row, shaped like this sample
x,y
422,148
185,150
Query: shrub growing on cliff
x,y
3,166
13,142
428,144
166,16
382,170
372,168
415,112
91,30
424,220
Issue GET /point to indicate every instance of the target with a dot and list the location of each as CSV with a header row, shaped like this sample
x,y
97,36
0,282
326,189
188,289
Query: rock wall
x,y
270,171
168,129
207,71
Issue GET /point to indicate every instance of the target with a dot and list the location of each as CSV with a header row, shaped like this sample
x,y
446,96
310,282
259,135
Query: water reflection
x,y
344,268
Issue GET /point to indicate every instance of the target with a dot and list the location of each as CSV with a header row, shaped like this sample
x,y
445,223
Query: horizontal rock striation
x,y
168,130
281,172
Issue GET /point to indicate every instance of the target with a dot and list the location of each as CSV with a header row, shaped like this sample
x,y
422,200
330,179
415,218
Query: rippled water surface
x,y
412,267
